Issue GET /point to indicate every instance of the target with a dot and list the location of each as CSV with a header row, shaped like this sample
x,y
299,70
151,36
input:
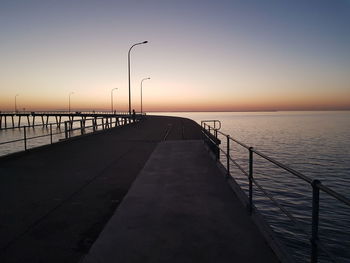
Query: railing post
x,y
228,155
315,219
250,180
25,137
66,130
51,133
217,152
81,127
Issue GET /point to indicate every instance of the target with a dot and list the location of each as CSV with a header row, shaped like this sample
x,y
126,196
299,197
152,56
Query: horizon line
x,y
155,111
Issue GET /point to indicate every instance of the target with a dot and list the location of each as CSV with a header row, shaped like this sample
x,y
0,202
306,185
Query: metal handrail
x,y
17,140
292,171
316,186
281,207
214,122
285,167
31,126
334,194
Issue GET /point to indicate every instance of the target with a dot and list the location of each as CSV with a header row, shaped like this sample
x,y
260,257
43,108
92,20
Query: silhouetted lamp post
x,y
69,101
141,91
16,102
144,42
112,98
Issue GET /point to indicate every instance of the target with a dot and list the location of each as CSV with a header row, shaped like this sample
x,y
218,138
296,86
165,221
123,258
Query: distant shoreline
x,y
259,111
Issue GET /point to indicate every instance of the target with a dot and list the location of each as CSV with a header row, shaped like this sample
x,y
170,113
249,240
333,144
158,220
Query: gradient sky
x,y
201,55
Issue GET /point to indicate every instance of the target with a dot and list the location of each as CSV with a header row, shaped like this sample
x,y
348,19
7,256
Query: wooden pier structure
x,y
30,117
145,192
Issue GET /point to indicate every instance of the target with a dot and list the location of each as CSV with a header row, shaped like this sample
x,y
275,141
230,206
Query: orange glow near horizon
x,y
189,103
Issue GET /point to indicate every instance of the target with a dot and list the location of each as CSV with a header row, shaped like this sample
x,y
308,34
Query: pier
x,y
70,201
30,116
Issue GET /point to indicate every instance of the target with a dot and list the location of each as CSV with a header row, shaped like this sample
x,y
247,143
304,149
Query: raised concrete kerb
x,y
180,209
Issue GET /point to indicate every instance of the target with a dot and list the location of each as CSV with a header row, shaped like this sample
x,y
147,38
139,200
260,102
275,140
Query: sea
x,y
315,143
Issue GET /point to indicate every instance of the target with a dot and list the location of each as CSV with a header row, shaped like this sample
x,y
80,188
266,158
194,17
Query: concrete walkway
x,y
180,209
55,201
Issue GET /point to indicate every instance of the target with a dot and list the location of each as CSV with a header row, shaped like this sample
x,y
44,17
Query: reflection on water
x,y
316,144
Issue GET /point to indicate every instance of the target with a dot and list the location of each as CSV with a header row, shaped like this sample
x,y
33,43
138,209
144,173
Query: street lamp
x,y
69,101
144,42
141,91
112,98
16,102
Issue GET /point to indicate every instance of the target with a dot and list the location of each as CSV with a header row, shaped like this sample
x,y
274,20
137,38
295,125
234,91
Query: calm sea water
x,y
316,144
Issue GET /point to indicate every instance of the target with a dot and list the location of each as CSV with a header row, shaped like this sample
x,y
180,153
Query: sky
x,y
202,55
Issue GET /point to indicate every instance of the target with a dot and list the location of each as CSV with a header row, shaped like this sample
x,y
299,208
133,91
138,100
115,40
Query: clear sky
x,y
201,56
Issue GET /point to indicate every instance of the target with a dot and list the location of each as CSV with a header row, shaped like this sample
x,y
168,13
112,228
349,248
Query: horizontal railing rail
x,y
316,185
216,123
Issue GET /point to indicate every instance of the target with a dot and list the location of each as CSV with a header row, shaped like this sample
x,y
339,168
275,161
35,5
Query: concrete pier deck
x,y
56,200
180,209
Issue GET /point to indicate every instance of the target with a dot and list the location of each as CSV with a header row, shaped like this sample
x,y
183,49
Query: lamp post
x,y
16,102
112,98
144,42
141,91
69,101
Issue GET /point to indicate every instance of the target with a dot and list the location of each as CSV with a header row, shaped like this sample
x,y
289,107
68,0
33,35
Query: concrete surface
x,y
55,201
180,209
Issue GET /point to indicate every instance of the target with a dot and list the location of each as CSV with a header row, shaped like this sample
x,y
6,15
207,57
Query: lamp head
x,y
145,42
